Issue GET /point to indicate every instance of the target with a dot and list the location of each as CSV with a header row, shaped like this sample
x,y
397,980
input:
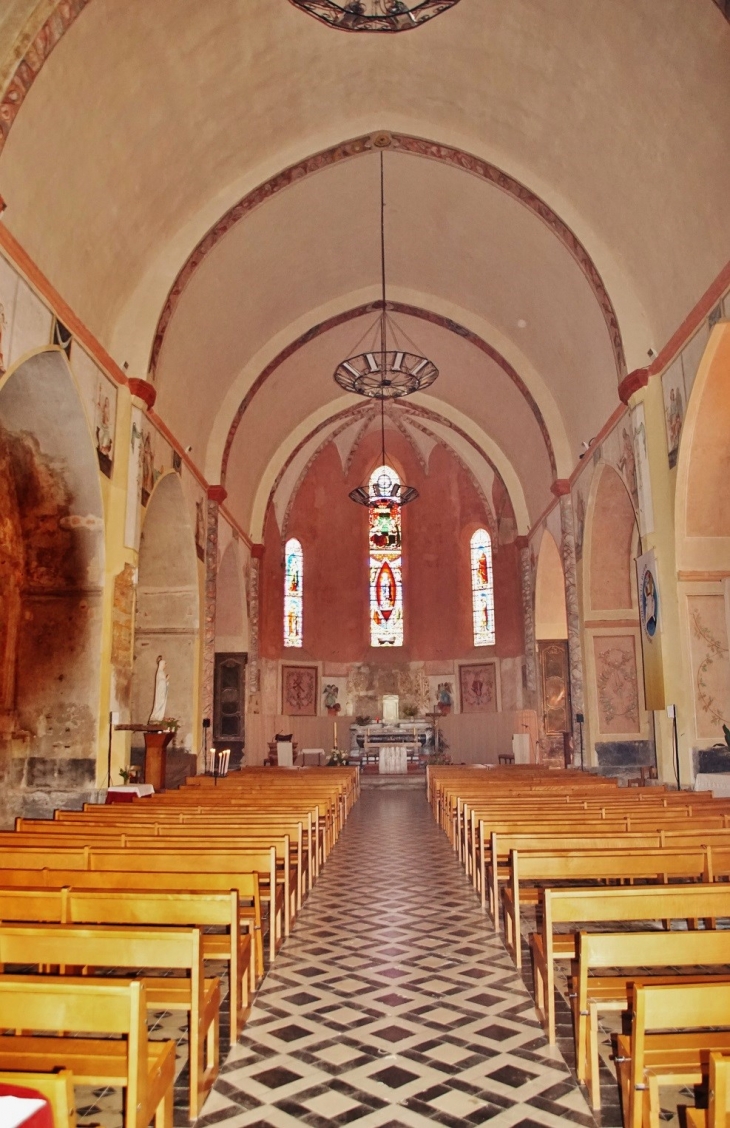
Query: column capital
x,y
217,493
560,487
522,543
142,390
257,551
632,383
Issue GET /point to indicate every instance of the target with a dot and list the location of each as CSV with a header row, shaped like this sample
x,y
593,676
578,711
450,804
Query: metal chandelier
x,y
374,15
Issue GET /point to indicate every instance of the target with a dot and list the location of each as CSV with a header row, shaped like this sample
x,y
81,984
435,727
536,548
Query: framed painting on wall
x,y
299,691
478,688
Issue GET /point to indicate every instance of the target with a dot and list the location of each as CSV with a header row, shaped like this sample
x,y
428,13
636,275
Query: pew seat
x,y
51,1012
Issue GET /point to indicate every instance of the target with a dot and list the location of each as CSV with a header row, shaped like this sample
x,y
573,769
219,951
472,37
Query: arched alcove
x,y
231,617
617,722
551,635
702,513
51,576
551,617
167,619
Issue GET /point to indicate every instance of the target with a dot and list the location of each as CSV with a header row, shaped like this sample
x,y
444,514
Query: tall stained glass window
x,y
293,574
386,574
482,588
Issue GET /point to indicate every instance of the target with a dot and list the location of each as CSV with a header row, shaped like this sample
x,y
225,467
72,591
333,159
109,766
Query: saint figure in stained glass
x,y
386,579
293,601
482,589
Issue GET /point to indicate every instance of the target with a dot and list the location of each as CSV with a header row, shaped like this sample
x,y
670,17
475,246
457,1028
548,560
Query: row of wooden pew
x,y
165,884
586,856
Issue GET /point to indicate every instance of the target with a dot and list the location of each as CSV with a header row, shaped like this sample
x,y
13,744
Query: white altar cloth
x,y
716,782
392,759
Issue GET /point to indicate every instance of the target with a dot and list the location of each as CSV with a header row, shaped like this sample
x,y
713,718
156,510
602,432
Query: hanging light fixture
x,y
383,373
374,15
386,490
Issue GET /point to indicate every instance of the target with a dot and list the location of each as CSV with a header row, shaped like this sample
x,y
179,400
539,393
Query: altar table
x,y
392,759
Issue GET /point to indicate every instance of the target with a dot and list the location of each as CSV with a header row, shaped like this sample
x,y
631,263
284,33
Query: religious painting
x,y
650,616
299,691
478,686
134,481
554,686
99,397
643,481
386,576
148,467
617,684
293,593
674,407
710,663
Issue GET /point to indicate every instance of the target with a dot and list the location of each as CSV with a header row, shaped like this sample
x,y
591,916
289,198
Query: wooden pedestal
x,y
155,756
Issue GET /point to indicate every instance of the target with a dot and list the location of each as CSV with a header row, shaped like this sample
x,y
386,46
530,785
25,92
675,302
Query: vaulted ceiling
x,y
200,182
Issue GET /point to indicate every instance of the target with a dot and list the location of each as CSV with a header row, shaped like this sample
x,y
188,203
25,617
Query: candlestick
x,y
334,726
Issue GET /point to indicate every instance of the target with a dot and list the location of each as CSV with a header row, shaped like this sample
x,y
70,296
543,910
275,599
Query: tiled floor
x,y
393,1004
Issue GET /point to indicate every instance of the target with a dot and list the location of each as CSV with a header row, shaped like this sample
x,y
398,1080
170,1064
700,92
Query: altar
x,y
392,759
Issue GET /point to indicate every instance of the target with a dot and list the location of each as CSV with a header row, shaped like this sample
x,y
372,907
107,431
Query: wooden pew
x,y
56,1087
145,1069
123,881
674,1029
717,1115
161,862
555,866
581,907
592,994
48,945
157,908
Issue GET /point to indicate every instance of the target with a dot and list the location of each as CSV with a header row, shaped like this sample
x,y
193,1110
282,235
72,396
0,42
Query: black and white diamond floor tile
x,y
393,1004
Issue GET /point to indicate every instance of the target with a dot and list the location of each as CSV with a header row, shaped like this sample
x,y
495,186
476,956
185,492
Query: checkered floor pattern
x,y
393,1003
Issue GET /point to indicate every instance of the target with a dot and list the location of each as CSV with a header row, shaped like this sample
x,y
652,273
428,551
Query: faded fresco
x,y
675,405
299,691
710,663
99,397
617,684
478,688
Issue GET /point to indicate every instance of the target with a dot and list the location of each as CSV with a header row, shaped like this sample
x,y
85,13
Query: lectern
x,y
156,741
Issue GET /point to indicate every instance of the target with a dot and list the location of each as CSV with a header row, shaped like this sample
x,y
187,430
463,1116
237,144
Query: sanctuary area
x,y
364,439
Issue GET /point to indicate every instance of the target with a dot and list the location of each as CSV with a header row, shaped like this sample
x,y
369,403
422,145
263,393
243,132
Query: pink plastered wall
x,y
436,532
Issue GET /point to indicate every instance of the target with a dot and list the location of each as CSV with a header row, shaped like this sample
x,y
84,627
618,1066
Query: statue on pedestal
x,y
162,682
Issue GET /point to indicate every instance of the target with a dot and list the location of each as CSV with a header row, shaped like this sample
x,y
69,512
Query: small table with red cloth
x,y
36,1117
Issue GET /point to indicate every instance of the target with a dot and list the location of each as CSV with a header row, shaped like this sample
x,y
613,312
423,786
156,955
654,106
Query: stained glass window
x,y
293,572
386,576
482,589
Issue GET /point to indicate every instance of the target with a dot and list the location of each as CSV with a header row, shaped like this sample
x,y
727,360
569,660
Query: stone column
x,y
253,670
561,489
216,496
528,612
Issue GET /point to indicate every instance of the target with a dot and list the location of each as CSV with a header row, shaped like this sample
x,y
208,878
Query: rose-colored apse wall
x,y
436,573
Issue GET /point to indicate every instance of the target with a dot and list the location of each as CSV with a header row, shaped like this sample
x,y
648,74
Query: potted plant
x,y
410,711
339,758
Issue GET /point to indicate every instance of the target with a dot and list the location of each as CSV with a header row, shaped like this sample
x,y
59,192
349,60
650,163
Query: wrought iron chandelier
x,y
383,373
386,490
374,15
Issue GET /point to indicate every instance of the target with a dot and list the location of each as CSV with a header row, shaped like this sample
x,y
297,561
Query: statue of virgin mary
x,y
159,705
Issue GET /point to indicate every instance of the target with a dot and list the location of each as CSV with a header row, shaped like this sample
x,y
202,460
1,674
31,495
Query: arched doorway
x,y
551,635
618,724
703,551
51,580
231,654
167,617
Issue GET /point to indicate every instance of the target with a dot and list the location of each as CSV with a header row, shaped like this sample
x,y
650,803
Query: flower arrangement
x,y
339,758
170,724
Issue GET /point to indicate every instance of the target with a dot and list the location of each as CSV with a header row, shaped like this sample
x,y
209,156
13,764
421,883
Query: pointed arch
x,y
551,616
